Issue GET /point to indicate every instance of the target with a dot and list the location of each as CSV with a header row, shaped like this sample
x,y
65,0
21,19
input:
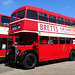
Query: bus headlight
x,y
18,52
7,53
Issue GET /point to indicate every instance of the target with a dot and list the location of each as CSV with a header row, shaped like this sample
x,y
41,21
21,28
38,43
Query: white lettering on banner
x,y
55,28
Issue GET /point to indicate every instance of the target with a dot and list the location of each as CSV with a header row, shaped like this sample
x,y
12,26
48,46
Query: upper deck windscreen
x,y
18,16
5,20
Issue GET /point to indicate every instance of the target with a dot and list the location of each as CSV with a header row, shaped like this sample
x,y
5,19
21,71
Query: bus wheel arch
x,y
33,52
72,55
30,57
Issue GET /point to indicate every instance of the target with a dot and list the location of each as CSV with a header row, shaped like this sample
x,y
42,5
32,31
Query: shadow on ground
x,y
1,62
52,62
19,66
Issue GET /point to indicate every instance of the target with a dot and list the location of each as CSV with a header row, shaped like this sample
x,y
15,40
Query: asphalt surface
x,y
58,67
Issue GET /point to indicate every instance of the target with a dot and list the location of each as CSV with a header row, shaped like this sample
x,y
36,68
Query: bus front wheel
x,y
72,55
30,61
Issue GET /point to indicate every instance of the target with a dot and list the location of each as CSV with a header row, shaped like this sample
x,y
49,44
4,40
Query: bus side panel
x,y
67,49
31,25
2,55
52,52
48,52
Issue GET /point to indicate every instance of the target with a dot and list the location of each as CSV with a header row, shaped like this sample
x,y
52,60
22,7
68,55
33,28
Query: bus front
x,y
22,41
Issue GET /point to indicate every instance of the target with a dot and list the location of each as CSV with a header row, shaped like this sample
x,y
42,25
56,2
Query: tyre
x,y
30,61
72,55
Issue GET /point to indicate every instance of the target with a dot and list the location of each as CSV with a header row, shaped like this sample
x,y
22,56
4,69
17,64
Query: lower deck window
x,y
53,40
3,43
68,41
26,38
33,39
73,40
61,40
44,40
21,40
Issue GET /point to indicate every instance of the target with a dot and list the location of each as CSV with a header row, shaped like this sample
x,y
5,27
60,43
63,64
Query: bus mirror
x,y
35,44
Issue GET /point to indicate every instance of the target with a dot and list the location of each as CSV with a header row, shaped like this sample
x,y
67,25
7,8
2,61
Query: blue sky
x,y
65,7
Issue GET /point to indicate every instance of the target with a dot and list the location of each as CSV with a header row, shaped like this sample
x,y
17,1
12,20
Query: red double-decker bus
x,y
4,27
40,35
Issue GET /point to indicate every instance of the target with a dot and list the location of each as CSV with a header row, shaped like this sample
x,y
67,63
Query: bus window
x,y
73,23
61,40
68,41
13,17
33,39
53,40
3,43
60,20
44,40
20,40
21,14
17,39
5,20
67,22
52,18
73,40
32,14
43,17
10,40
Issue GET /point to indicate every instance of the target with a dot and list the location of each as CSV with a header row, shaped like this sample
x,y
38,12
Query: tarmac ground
x,y
56,67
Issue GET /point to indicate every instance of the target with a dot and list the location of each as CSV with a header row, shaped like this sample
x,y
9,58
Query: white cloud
x,y
7,2
67,7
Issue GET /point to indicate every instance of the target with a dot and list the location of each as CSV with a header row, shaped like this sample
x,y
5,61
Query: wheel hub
x,y
30,61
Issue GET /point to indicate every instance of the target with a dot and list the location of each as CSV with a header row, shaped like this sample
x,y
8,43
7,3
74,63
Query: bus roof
x,y
43,11
4,15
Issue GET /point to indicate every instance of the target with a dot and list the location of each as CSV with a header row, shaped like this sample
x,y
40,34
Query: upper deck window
x,y
73,23
52,18
5,20
43,17
32,14
60,20
13,17
21,14
67,22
